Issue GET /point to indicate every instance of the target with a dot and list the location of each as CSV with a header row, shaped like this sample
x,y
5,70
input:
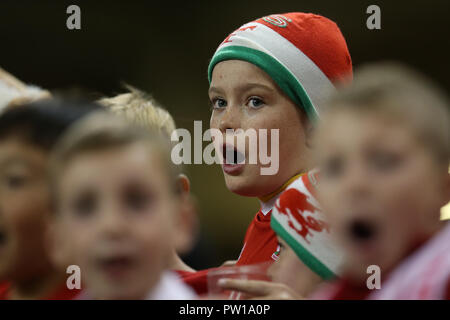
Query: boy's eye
x,y
85,205
15,181
219,103
255,102
332,168
137,200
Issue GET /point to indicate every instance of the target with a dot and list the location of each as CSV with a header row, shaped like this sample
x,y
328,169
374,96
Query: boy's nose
x,y
356,182
112,223
231,119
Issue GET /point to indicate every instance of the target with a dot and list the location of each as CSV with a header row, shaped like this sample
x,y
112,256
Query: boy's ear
x,y
186,224
309,132
183,183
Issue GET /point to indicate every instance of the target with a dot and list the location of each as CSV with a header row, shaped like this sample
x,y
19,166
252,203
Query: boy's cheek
x,y
6,258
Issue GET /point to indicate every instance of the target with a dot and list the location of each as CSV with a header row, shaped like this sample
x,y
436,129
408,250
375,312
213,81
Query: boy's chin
x,y
242,185
129,291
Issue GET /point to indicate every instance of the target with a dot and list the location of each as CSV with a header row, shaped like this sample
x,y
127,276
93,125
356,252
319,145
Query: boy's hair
x,y
41,123
14,92
101,131
141,109
400,93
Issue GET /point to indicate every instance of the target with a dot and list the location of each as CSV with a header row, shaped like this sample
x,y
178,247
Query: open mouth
x,y
231,155
116,266
362,231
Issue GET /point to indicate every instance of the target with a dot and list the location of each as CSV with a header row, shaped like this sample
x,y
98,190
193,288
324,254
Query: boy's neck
x,y
266,198
36,288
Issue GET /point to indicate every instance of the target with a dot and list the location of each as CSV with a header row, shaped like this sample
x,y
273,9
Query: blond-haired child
x,y
117,201
141,109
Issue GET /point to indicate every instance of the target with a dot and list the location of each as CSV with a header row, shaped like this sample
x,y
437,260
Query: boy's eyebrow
x,y
13,160
214,90
249,86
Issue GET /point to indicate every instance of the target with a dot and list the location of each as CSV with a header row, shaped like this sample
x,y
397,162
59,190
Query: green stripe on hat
x,y
304,255
282,76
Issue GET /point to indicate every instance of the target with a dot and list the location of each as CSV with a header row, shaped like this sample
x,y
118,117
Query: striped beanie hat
x,y
303,53
297,219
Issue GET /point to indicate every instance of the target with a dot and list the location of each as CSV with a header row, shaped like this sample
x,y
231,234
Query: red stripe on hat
x,y
317,37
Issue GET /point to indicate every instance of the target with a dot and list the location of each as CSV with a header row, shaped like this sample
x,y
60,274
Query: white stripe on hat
x,y
263,38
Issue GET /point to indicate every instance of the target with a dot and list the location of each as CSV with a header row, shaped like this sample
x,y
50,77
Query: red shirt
x,y
260,242
60,293
260,245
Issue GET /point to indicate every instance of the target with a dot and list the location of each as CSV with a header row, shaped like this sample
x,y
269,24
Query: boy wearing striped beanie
x,y
273,73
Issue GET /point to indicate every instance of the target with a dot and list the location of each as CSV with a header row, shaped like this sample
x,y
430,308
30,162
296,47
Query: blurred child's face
x,y
245,97
116,212
24,203
291,271
380,186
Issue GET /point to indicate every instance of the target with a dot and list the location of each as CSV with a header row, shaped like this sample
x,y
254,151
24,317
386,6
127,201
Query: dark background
x,y
164,47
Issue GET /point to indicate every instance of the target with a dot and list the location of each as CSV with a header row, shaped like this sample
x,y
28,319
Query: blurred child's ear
x,y
183,183
186,221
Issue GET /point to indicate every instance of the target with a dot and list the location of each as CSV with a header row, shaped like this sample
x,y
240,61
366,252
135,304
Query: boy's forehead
x,y
134,156
355,127
16,150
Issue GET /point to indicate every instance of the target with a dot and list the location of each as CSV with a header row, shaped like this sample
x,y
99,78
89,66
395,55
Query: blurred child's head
x,y
307,255
27,134
140,109
271,74
383,149
116,197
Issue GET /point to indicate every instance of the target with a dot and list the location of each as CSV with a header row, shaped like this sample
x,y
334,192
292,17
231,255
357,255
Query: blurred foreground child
x,y
140,109
27,135
117,202
383,149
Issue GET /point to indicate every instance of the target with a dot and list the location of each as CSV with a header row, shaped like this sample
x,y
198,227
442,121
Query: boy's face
x,y
245,97
24,204
380,187
291,271
115,220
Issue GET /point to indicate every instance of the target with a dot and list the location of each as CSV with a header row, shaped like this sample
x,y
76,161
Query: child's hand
x,y
260,290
